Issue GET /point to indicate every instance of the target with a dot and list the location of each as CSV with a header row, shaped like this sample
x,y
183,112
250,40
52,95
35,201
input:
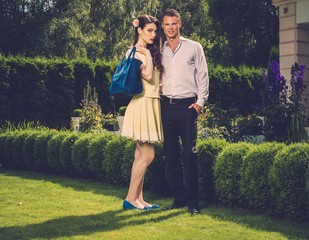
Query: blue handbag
x,y
127,78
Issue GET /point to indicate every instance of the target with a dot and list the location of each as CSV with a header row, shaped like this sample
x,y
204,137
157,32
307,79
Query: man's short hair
x,y
171,13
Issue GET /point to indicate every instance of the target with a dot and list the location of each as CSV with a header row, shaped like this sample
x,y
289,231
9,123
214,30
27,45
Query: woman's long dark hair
x,y
155,47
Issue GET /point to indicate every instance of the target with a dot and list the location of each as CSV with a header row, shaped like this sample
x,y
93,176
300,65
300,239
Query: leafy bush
x,y
6,142
270,177
156,176
17,159
80,155
122,110
53,152
27,150
40,151
208,151
127,160
65,155
288,182
254,184
213,122
227,173
96,151
112,160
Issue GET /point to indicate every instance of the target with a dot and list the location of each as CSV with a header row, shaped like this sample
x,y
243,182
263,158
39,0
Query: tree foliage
x,y
97,29
250,27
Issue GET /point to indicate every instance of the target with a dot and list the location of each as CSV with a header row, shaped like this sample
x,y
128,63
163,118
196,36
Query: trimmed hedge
x,y
254,183
288,179
269,178
48,90
65,157
112,161
227,173
80,155
208,151
53,152
96,151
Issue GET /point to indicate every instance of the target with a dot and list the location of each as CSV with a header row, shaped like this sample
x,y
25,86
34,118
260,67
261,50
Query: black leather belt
x,y
177,100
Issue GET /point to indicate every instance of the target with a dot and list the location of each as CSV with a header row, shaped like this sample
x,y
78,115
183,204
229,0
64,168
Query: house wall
x,y
294,39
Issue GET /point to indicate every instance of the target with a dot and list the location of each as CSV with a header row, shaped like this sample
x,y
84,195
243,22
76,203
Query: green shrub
x,y
122,110
156,175
112,160
80,155
65,155
6,142
96,151
17,149
127,161
2,148
254,184
60,93
227,173
208,151
288,182
53,152
27,150
40,150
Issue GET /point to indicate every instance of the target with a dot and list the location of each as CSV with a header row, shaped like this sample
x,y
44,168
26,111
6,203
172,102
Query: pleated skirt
x,y
142,120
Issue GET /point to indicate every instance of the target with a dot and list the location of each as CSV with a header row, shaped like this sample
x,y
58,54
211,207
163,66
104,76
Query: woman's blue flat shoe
x,y
127,205
154,206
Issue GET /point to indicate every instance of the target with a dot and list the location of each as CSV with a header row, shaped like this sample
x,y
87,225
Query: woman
x,y
142,120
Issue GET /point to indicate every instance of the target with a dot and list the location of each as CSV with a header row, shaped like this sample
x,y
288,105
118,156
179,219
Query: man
x,y
185,84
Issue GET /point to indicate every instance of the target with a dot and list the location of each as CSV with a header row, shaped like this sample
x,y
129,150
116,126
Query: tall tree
x,y
251,27
22,23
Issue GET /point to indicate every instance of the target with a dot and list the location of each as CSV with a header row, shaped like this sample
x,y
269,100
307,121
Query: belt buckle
x,y
171,101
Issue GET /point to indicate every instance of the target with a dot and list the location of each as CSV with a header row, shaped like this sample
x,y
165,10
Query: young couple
x,y
180,66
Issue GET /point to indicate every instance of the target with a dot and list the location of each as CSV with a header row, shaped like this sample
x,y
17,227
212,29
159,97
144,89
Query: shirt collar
x,y
181,39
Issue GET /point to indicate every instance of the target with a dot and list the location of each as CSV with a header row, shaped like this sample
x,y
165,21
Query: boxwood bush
x,y
227,169
16,147
112,160
288,182
208,151
65,155
53,152
127,161
27,150
96,152
270,177
40,151
80,155
254,183
6,154
156,176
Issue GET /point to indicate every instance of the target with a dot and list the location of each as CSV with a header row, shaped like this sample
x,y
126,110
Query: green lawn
x,y
37,206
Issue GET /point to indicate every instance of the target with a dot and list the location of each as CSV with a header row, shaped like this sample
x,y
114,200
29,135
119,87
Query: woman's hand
x,y
142,50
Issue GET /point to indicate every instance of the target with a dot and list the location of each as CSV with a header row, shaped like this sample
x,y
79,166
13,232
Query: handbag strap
x,y
130,58
132,53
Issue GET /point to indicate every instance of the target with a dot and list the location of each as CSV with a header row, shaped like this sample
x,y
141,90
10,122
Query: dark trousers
x,y
180,125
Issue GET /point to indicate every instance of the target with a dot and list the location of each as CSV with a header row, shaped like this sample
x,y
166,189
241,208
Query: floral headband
x,y
135,23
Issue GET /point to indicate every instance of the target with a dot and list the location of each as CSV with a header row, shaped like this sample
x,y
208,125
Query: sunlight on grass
x,y
36,206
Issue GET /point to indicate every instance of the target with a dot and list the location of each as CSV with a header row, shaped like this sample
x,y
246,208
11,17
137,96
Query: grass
x,y
39,206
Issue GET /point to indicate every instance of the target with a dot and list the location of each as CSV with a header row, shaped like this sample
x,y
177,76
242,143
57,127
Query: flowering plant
x,y
283,110
91,114
135,23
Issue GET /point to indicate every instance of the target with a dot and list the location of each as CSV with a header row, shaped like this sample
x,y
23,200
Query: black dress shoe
x,y
176,205
194,211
